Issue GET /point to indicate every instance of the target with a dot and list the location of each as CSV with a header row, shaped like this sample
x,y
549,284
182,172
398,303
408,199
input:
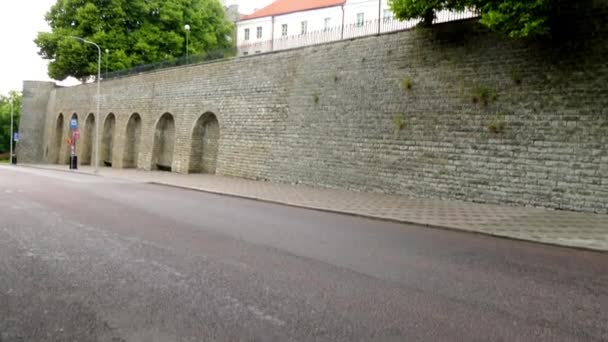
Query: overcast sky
x,y
21,20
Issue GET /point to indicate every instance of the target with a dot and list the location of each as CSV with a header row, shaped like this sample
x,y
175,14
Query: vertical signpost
x,y
72,142
14,155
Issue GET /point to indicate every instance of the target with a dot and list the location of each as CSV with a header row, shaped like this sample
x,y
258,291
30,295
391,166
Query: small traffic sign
x,y
69,141
76,134
73,124
16,137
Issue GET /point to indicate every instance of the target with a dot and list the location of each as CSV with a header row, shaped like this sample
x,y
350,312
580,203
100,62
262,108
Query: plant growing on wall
x,y
484,95
516,77
399,122
498,124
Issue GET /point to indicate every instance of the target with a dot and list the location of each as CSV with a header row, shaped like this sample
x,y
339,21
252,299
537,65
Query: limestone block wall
x,y
455,112
36,97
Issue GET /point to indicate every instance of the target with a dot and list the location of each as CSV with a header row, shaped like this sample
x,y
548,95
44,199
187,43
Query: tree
x,y
424,9
519,19
5,118
134,31
516,18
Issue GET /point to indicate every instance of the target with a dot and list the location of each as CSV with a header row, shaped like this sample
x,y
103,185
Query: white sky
x,y
20,22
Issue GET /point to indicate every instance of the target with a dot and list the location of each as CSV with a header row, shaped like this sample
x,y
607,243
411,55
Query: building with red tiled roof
x,y
281,7
297,20
286,24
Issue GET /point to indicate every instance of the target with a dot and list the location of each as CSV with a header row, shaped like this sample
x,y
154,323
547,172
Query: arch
x,y
133,138
86,155
164,141
58,139
205,144
107,143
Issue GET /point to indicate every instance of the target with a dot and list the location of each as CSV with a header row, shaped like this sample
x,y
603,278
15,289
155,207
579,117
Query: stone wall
x,y
455,112
35,101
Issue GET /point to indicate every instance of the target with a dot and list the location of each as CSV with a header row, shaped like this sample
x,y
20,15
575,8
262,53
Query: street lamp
x,y
187,28
107,52
98,121
379,14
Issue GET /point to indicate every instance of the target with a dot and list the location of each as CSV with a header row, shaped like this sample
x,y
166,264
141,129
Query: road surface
x,y
86,258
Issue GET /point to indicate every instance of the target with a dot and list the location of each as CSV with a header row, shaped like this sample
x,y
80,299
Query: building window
x,y
327,23
388,15
259,33
284,30
246,34
360,19
304,27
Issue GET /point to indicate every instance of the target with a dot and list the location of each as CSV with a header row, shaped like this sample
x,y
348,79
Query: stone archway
x,y
133,138
107,143
164,142
58,139
86,155
205,145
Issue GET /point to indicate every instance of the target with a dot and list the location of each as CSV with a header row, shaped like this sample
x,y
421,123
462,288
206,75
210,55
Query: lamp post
x,y
187,28
379,16
107,53
98,121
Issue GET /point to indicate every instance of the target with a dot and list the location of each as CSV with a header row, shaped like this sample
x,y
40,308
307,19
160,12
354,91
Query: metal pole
x,y
187,29
98,109
98,120
272,35
106,75
379,15
11,148
342,28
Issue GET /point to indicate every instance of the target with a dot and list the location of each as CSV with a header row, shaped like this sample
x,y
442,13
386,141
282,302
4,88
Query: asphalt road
x,y
85,258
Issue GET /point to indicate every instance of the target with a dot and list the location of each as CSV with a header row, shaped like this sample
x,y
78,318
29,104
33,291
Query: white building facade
x,y
287,24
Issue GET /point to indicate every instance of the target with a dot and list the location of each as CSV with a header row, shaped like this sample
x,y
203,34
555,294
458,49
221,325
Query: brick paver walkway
x,y
547,226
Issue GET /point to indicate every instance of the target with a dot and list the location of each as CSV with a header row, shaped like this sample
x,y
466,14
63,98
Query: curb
x,y
334,211
60,170
380,218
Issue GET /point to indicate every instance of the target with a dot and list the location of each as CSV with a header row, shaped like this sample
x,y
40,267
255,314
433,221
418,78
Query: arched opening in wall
x,y
107,142
164,140
68,151
205,144
58,139
133,138
86,155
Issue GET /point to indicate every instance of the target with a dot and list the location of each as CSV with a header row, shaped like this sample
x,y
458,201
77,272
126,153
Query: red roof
x,y
289,6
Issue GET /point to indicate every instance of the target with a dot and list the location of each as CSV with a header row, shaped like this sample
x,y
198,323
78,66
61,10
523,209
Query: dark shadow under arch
x,y
132,142
164,142
205,144
107,143
88,136
58,139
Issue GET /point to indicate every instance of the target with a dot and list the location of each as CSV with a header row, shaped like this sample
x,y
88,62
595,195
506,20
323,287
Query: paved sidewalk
x,y
563,228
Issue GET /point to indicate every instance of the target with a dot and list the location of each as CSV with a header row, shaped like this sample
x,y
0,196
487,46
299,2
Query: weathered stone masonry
x,y
439,114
